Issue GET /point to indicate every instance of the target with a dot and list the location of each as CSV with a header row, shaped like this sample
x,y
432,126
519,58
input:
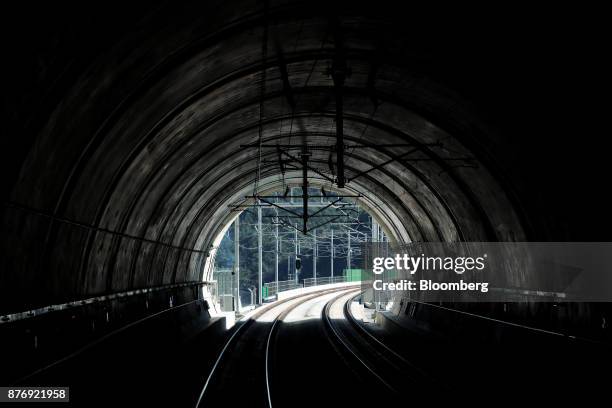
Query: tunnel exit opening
x,y
270,239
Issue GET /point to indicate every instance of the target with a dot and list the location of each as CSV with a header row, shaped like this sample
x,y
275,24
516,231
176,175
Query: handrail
x,y
8,318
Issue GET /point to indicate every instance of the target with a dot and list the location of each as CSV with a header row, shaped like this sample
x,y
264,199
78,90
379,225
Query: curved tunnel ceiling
x,y
150,143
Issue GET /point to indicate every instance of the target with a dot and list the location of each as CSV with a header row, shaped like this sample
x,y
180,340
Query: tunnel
x,y
134,136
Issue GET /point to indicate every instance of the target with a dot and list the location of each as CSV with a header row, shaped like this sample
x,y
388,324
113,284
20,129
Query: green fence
x,y
352,275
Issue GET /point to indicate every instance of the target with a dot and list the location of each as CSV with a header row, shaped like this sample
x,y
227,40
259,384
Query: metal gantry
x,y
340,239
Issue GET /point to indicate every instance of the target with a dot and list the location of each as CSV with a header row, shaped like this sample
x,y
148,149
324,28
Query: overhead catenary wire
x,y
262,91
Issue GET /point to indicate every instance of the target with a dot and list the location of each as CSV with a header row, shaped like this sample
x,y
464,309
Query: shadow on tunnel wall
x,y
74,86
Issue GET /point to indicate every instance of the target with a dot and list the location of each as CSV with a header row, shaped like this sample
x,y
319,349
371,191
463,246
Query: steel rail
x,y
339,339
272,331
250,320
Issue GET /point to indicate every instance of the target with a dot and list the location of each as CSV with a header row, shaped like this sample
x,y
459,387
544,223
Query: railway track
x,y
264,365
377,360
245,360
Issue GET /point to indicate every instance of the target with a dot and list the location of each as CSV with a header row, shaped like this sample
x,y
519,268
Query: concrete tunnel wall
x,y
147,142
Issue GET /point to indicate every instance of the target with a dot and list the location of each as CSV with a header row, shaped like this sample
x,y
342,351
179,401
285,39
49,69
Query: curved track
x,y
309,350
391,369
241,371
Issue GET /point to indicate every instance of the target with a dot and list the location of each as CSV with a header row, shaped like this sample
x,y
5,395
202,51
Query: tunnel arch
x,y
148,143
